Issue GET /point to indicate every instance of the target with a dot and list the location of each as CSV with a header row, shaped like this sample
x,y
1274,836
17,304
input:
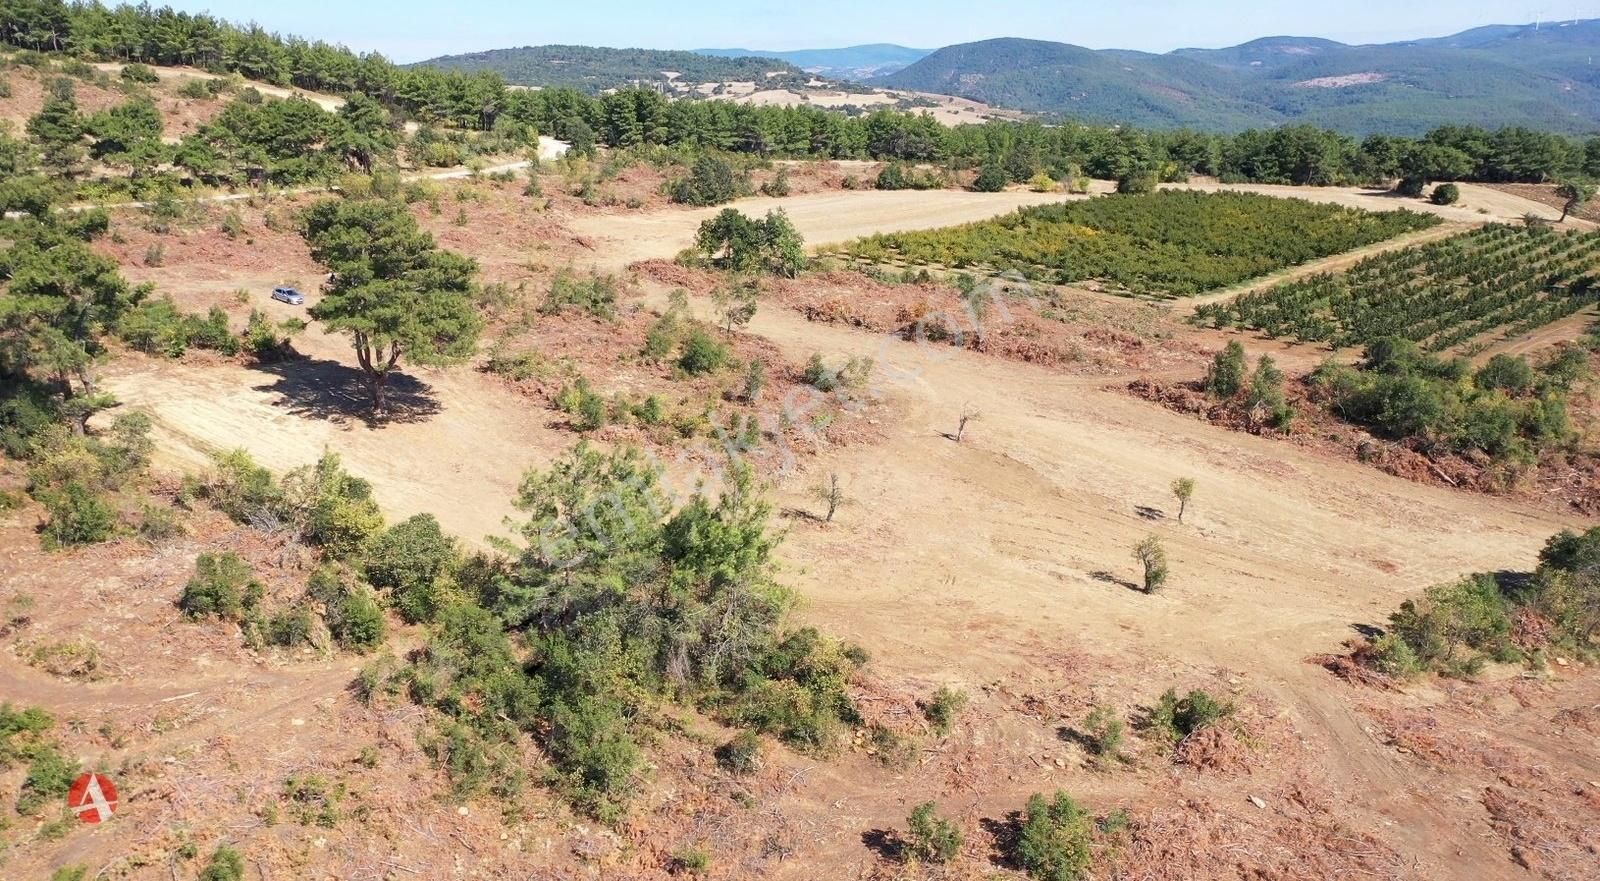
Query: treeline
x,y
482,101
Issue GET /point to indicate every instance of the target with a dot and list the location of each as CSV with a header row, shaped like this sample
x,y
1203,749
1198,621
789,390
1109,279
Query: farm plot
x,y
1441,295
1168,244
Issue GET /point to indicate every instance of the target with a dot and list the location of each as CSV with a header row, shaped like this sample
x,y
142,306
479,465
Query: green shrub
x,y
778,187
314,800
1226,376
1055,839
702,354
199,89
1175,717
226,864
269,342
242,489
1103,734
755,379
1445,194
290,628
992,178
22,733
1455,625
139,73
158,524
741,755
710,181
1152,559
594,294
941,710
587,406
330,507
409,560
663,335
352,614
223,587
232,224
77,517
1392,656
50,775
930,838
693,860
474,764
854,374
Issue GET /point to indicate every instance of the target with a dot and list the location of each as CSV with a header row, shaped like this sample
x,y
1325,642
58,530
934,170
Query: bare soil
x,y
1000,564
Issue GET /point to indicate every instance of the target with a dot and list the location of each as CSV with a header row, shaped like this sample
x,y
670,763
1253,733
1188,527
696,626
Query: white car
x,y
288,295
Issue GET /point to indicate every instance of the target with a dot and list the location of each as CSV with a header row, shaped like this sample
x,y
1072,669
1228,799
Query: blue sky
x,y
410,30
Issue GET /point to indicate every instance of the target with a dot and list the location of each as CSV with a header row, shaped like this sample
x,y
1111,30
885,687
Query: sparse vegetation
x,y
1183,491
1055,839
853,374
222,587
594,294
1152,558
1103,734
226,864
831,494
1175,716
942,709
929,837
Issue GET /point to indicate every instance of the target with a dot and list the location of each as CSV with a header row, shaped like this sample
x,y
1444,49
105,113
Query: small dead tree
x,y
1153,557
1183,490
969,413
830,493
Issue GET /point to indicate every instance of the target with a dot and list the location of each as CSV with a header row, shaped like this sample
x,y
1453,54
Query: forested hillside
x,y
595,69
1540,77
849,63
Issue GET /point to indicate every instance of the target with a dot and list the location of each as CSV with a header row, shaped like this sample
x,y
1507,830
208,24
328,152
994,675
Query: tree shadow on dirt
x,y
1004,832
884,843
1370,631
1110,578
317,388
800,514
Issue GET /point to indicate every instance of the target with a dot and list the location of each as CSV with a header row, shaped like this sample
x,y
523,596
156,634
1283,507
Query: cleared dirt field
x,y
1479,204
823,218
1000,565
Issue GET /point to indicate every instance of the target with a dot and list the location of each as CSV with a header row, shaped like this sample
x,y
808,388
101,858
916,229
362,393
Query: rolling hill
x,y
850,63
596,69
1498,75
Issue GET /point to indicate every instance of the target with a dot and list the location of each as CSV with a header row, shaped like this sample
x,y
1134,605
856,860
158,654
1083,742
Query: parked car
x,y
289,295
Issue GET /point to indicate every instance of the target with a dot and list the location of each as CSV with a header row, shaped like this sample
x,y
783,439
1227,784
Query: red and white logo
x,y
93,797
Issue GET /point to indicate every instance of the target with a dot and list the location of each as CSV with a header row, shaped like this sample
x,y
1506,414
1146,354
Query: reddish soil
x,y
1562,480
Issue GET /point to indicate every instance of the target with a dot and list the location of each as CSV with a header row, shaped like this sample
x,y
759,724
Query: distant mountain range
x,y
850,63
1543,76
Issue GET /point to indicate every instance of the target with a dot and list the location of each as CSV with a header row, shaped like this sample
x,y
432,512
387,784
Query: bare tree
x,y
830,492
969,413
